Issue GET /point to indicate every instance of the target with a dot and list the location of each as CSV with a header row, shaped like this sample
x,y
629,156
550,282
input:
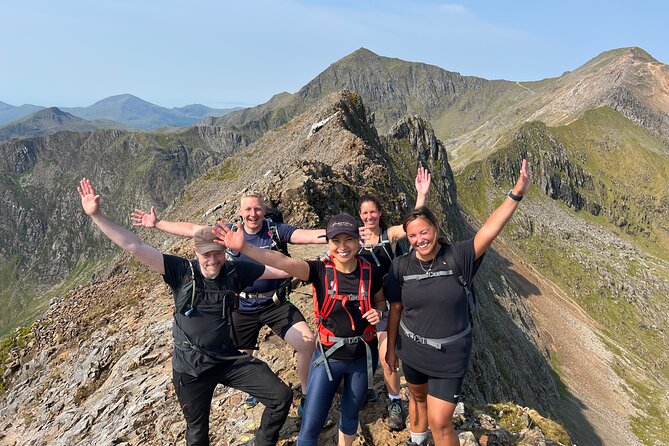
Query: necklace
x,y
429,270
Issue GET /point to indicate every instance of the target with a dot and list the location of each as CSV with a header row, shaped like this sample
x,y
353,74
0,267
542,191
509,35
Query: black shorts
x,y
447,389
279,319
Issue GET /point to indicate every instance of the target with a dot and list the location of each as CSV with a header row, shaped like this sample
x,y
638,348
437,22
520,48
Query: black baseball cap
x,y
342,224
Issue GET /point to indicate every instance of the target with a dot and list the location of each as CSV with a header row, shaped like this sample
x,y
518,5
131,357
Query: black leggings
x,y
247,374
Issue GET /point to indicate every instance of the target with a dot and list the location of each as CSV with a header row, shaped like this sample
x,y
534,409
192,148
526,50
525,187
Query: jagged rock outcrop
x,y
98,369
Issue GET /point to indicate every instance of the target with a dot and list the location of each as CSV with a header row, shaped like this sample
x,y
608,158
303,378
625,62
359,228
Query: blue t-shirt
x,y
262,239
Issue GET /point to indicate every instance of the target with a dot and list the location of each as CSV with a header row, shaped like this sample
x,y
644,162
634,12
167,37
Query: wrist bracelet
x,y
513,196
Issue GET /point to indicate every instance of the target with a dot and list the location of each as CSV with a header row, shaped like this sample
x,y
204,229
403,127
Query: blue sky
x,y
222,54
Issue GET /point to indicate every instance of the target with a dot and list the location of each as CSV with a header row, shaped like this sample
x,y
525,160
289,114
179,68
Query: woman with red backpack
x,y
348,301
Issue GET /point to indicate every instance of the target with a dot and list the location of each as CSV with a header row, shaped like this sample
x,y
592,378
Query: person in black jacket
x,y
429,326
204,354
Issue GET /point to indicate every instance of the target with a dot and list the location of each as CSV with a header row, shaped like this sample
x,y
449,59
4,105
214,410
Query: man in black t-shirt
x,y
204,355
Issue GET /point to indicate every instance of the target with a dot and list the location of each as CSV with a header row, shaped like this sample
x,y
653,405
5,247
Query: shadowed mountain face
x,y
38,177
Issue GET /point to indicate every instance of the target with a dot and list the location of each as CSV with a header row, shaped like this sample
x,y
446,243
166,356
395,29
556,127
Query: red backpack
x,y
322,312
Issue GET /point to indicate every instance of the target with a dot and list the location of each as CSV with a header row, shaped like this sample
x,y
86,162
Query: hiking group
x,y
239,281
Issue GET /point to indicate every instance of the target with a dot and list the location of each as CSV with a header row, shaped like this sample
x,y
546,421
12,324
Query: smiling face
x,y
343,247
370,214
211,263
423,237
252,210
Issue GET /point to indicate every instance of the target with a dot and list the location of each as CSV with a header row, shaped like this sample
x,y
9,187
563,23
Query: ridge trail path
x,y
584,363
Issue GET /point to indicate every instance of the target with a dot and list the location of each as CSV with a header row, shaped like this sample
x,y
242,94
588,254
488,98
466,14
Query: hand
x,y
365,234
229,238
523,182
373,316
90,201
141,218
391,360
423,180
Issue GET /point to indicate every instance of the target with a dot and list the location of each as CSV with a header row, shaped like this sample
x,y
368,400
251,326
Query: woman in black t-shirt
x,y
429,323
349,300
379,247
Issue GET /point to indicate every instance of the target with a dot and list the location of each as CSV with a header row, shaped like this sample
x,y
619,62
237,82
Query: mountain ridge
x,y
125,109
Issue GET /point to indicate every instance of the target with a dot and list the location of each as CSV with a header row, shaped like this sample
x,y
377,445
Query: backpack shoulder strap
x,y
277,243
365,286
331,289
190,276
451,263
402,267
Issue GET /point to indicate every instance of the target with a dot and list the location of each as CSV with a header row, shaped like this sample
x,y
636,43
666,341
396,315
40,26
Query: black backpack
x,y
274,217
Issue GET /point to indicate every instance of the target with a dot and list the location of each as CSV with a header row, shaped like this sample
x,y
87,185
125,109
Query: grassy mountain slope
x,y
595,223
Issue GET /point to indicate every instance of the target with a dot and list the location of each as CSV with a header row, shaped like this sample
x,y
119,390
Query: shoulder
x,y
175,268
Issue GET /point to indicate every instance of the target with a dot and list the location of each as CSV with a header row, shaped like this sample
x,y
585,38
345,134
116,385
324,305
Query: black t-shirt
x,y
339,321
382,253
209,325
434,308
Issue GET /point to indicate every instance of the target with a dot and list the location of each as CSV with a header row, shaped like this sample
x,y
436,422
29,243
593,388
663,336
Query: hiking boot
x,y
250,401
396,415
371,395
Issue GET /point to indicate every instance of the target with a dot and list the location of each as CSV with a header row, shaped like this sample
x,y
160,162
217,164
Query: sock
x,y
418,438
392,397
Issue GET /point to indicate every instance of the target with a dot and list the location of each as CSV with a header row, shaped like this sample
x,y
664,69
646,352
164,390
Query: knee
x,y
304,344
439,423
284,396
418,397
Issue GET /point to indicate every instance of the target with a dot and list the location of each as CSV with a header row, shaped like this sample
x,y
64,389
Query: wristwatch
x,y
514,196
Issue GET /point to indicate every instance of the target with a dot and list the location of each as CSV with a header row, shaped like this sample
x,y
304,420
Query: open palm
x,y
90,201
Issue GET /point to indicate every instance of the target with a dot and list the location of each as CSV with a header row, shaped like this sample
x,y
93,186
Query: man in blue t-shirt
x,y
260,304
204,352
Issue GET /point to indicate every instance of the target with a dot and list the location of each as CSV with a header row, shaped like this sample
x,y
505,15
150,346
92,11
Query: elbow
x,y
134,247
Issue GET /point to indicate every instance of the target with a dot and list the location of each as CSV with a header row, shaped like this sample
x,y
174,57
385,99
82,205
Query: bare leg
x,y
418,407
299,337
391,377
440,418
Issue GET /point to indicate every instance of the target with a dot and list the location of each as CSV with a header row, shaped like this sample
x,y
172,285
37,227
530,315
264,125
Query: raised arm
x,y
235,240
151,220
308,237
495,223
125,239
422,183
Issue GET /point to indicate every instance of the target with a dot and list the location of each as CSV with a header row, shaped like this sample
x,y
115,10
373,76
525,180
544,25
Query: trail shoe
x,y
396,415
250,401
